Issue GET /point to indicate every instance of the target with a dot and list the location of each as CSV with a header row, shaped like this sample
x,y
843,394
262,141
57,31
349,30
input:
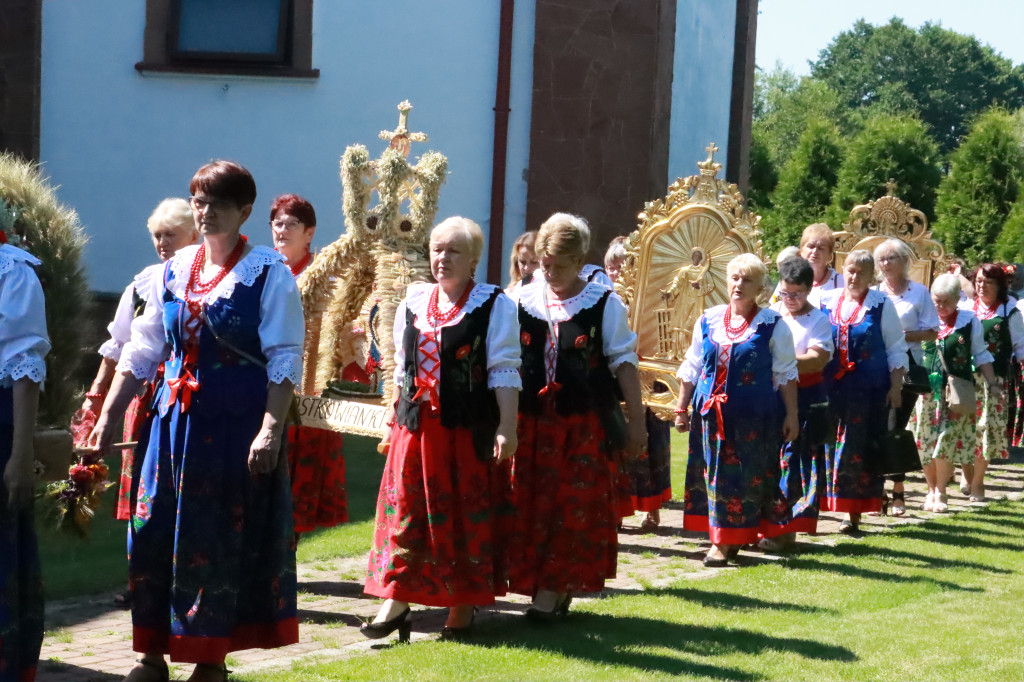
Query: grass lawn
x,y
936,601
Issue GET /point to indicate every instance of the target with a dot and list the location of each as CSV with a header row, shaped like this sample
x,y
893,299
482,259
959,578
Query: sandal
x,y
929,501
649,525
152,671
848,527
939,505
899,503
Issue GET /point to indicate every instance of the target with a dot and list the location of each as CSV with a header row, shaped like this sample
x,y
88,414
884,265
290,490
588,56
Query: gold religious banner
x,y
348,416
675,269
890,217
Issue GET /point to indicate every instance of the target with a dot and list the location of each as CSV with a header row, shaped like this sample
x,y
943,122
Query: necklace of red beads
x,y
196,290
734,333
824,278
838,314
435,318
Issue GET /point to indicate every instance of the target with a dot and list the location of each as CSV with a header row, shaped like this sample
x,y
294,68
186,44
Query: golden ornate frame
x,y
675,267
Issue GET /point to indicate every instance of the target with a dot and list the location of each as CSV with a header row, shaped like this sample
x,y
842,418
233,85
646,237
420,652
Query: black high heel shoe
x,y
457,634
400,622
561,610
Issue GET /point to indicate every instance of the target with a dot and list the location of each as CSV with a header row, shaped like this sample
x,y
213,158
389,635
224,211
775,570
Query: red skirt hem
x,y
192,649
845,505
773,530
651,503
695,522
430,599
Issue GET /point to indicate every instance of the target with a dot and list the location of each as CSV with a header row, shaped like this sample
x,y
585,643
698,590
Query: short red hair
x,y
295,206
225,180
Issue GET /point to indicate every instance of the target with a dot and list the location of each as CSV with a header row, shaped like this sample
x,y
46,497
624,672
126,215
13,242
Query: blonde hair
x,y
467,229
563,234
821,231
525,240
861,258
173,212
897,247
750,265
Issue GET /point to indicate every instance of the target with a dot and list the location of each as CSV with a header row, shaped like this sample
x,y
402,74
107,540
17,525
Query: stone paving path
x,y
89,640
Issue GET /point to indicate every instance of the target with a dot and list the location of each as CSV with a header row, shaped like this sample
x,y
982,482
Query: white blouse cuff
x,y
285,366
24,365
138,365
111,350
898,360
504,378
630,358
780,379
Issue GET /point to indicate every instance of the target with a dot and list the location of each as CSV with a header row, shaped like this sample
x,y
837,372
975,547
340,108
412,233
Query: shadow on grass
x,y
624,641
720,600
308,617
958,537
349,589
65,671
809,564
908,558
697,553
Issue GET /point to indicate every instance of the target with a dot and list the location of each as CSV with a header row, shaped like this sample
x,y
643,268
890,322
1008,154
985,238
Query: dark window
x,y
246,37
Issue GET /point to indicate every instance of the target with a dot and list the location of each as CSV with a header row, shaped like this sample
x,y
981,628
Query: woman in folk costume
x,y
579,360
802,475
211,545
945,437
23,345
1003,327
453,420
866,375
314,455
740,373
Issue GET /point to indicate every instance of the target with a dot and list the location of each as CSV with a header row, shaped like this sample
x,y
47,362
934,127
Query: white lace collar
x,y
532,299
1001,310
9,255
418,295
963,318
873,299
245,271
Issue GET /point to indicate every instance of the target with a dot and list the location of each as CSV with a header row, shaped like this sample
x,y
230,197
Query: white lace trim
x,y
417,297
144,280
285,366
9,255
532,300
780,379
23,365
716,322
139,366
245,271
873,299
111,350
504,378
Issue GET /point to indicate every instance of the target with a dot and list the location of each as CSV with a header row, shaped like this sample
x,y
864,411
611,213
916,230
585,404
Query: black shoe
x,y
400,622
460,633
561,610
715,563
848,527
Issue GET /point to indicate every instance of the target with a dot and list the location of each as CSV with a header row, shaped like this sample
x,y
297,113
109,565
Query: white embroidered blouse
x,y
892,331
916,312
120,328
24,342
1016,322
281,327
810,330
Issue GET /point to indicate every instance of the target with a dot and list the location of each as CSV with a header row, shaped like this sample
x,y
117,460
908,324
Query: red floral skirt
x,y
434,539
317,466
565,492
134,417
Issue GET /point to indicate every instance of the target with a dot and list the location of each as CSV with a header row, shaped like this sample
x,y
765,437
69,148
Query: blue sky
x,y
794,31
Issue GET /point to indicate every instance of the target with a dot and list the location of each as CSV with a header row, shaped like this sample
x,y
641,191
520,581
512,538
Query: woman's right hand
x,y
101,436
385,441
682,422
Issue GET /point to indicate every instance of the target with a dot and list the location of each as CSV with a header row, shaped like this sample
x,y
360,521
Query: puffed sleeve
x,y
979,349
282,327
120,328
893,336
1016,323
601,277
928,316
398,334
504,354
24,342
783,355
148,346
619,340
689,370
821,335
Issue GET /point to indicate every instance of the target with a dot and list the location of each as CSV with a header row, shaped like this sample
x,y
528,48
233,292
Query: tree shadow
x,y
957,537
807,563
721,600
348,589
66,671
627,641
309,617
696,554
850,549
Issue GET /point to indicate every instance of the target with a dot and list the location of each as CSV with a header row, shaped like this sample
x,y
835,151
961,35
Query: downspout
x,y
501,112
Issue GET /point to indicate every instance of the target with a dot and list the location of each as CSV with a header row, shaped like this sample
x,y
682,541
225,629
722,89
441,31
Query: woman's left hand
x,y
263,454
19,479
506,441
636,439
895,397
790,428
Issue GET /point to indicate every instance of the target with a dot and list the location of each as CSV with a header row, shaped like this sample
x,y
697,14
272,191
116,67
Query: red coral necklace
x,y
196,290
737,332
435,318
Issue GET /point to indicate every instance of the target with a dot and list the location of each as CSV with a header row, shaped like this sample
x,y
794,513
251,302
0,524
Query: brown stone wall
x,y
601,103
20,45
741,113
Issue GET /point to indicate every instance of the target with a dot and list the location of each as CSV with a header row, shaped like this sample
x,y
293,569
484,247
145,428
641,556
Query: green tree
x,y
805,185
889,147
781,127
948,76
984,180
1010,244
763,174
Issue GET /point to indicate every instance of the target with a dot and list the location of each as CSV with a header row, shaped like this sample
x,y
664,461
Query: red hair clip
x,y
1009,270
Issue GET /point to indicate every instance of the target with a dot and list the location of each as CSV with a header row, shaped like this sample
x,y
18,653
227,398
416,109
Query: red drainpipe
x,y
501,112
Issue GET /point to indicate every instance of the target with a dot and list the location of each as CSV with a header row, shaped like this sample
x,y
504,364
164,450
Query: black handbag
x,y
820,427
915,381
895,453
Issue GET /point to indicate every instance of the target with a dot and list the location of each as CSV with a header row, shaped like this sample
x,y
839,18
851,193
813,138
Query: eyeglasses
x,y
285,224
792,295
202,204
891,258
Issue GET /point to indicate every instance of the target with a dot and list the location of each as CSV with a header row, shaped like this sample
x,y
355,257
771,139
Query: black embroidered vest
x,y
581,369
465,399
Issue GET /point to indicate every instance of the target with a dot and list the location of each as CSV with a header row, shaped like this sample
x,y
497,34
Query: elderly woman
x,y
817,246
802,476
741,375
579,361
946,438
171,227
523,262
920,323
315,455
1003,328
453,420
211,551
23,345
866,375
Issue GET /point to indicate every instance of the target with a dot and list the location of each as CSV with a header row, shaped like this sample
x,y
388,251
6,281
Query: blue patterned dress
x,y
211,549
867,350
23,344
732,471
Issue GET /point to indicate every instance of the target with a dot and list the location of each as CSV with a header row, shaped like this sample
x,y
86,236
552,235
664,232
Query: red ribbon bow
x,y
845,364
716,400
550,387
186,384
428,386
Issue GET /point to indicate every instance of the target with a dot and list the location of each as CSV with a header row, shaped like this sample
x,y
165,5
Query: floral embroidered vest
x,y
746,377
956,351
997,335
866,350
